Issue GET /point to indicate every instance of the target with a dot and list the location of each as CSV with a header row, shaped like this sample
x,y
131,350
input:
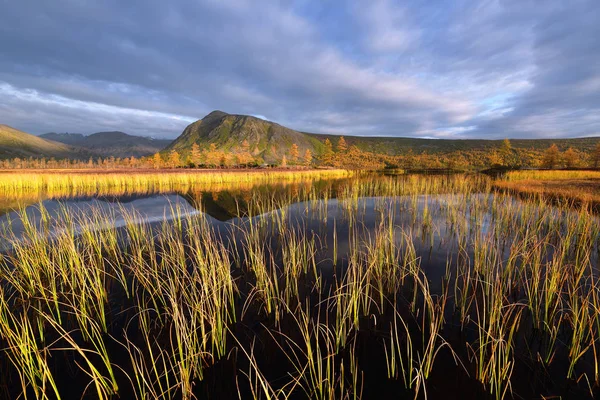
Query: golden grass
x,y
551,175
179,298
581,187
99,182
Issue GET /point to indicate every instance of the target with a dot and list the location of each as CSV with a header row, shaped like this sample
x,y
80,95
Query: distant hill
x,y
270,140
401,145
107,144
66,138
228,133
15,143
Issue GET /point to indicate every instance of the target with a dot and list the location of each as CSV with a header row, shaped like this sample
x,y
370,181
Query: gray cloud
x,y
490,68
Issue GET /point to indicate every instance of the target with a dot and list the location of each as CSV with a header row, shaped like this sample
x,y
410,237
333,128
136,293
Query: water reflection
x,y
218,203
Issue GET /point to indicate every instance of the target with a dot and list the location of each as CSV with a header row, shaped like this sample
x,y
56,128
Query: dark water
x,y
312,206
434,221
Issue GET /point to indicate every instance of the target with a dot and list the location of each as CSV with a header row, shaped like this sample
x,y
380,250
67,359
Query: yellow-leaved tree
x,y
308,158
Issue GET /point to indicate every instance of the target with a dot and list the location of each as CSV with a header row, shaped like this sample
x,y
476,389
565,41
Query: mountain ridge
x,y
111,143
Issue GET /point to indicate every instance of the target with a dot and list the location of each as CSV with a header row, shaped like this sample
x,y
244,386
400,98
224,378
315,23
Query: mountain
x,y
228,133
72,139
107,144
270,140
15,143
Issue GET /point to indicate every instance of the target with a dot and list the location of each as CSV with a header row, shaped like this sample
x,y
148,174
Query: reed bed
x,y
91,182
23,189
397,286
578,188
551,175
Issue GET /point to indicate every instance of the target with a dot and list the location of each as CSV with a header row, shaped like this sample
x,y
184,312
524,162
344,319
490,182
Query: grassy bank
x,y
90,182
577,187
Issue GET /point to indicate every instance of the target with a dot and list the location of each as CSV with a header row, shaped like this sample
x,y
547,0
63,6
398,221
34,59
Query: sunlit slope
x,y
232,133
15,143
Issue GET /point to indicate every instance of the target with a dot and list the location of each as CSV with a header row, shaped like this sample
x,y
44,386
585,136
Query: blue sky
x,y
441,69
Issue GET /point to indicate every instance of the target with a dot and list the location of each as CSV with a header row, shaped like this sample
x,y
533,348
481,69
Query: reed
x,y
313,280
82,183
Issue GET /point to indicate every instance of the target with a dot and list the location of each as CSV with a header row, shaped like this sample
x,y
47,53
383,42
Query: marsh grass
x,y
71,183
572,188
307,295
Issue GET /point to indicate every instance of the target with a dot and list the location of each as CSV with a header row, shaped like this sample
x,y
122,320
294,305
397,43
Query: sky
x,y
413,68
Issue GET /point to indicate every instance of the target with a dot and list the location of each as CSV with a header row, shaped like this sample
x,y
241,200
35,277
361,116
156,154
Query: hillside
x,y
270,141
111,144
228,133
15,143
401,145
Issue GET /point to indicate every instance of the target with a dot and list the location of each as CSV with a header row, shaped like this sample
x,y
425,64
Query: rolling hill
x,y
111,144
228,133
271,140
15,143
401,145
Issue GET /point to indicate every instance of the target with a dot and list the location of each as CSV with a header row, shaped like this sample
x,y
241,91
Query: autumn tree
x,y
307,157
283,161
551,156
174,159
212,156
342,146
196,155
494,159
156,161
294,153
507,155
243,157
225,160
355,158
570,158
327,155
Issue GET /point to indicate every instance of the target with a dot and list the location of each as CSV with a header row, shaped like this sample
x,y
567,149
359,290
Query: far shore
x,y
158,171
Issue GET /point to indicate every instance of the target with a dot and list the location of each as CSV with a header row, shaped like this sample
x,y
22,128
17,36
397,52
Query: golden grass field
x,y
123,181
581,187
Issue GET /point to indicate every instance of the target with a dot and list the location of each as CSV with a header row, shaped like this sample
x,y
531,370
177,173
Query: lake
x,y
367,286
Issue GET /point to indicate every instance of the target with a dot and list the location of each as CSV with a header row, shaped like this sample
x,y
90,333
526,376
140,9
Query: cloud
x,y
497,67
563,99
389,28
34,110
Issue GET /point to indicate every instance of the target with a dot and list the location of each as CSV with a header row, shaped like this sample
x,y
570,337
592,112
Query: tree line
x,y
340,155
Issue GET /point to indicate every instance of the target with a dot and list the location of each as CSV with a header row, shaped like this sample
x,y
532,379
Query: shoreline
x,y
160,170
